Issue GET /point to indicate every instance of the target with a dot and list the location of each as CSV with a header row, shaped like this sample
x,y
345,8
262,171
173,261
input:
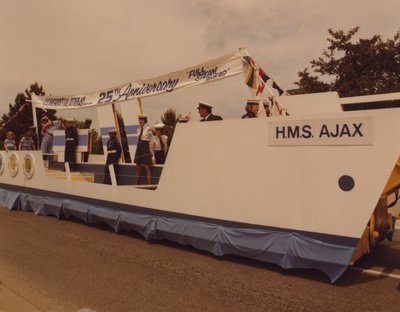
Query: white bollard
x,y
67,171
112,175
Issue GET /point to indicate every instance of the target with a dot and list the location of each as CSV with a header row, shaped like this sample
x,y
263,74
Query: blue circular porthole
x,y
346,183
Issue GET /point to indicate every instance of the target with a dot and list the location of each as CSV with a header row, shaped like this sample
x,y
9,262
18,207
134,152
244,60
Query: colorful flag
x,y
257,78
251,79
275,86
263,78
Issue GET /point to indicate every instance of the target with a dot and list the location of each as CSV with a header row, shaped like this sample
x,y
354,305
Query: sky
x,y
80,46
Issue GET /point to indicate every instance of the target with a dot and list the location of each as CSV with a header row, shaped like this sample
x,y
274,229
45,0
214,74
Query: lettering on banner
x,y
130,91
202,74
78,101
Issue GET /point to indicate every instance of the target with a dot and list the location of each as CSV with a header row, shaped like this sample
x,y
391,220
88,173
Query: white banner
x,y
220,68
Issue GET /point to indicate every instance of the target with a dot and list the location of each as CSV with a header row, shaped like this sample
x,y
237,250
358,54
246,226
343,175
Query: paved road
x,y
57,265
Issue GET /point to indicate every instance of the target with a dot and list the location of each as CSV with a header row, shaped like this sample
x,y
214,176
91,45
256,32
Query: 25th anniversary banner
x,y
220,68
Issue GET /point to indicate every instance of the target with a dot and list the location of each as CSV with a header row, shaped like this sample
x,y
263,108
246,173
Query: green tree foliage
x,y
169,119
310,84
350,67
124,139
97,144
19,116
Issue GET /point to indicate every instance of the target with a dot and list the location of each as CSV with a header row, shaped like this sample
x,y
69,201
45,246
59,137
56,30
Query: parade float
x,y
306,189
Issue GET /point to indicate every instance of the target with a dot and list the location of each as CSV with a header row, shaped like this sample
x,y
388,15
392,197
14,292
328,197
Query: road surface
x,y
48,264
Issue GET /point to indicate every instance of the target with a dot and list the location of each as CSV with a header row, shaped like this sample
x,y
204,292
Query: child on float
x,y
27,143
9,142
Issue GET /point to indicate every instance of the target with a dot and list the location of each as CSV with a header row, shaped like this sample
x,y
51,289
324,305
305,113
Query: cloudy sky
x,y
79,46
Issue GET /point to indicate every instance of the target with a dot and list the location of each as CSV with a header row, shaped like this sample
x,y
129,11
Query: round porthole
x,y
346,183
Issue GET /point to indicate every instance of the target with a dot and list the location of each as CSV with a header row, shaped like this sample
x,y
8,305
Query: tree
x,y
19,116
366,66
124,138
96,141
169,119
311,84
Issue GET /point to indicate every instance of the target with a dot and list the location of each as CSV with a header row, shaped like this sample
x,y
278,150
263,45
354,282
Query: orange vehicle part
x,y
380,223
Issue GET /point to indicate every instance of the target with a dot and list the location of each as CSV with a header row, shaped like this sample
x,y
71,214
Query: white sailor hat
x,y
44,118
69,119
159,125
203,104
253,102
112,130
142,116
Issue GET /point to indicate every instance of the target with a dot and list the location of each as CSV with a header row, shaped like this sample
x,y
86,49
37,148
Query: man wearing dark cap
x,y
252,108
205,112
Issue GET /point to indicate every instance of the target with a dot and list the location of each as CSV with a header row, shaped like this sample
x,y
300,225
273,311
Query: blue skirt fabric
x,y
143,155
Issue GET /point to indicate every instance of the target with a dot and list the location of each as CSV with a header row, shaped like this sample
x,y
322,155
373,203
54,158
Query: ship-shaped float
x,y
305,190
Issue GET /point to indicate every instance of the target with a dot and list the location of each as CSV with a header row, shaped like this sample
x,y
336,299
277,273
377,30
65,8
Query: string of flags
x,y
258,80
257,77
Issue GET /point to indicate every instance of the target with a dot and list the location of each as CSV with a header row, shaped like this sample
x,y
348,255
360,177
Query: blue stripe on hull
x,y
83,140
289,249
131,129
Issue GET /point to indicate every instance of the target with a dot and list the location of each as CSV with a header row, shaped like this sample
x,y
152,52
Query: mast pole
x,y
118,131
140,106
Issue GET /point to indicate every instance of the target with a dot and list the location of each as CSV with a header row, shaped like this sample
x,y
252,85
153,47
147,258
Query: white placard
x,y
338,131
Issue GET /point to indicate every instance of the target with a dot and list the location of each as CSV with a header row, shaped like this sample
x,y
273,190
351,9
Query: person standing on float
x,y
143,155
252,107
159,145
113,155
71,142
205,112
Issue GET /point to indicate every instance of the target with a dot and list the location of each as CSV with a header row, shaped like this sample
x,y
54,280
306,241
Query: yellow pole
x,y
140,106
